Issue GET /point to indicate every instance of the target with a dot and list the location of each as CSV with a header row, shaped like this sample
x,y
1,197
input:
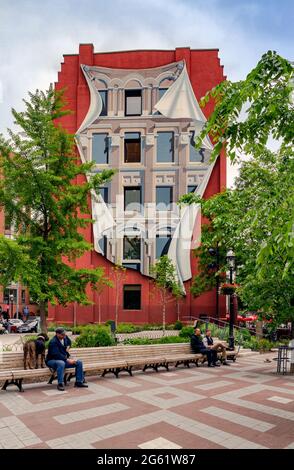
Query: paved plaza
x,y
244,406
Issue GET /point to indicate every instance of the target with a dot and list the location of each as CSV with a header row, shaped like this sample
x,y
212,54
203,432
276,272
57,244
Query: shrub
x,y
186,332
256,344
137,341
127,328
94,337
53,326
172,339
151,326
178,325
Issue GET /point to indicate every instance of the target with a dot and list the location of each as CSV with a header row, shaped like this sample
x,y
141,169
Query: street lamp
x,y
231,259
11,297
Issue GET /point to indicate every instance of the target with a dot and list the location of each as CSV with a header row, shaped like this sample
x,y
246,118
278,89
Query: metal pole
x,y
217,282
231,327
17,299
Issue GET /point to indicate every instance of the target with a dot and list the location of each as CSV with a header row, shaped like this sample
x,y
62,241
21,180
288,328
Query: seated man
x,y
198,347
58,358
218,347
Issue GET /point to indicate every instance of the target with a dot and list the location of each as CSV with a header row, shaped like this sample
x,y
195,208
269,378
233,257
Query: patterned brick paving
x,y
243,406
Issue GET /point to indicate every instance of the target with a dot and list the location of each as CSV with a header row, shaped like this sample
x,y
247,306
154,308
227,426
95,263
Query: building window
x,y
164,198
132,297
133,102
196,155
6,296
162,245
103,95
23,296
165,147
104,194
100,148
192,188
132,198
132,248
132,147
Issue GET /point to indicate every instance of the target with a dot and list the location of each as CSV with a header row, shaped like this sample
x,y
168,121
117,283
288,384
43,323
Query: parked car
x,y
30,326
14,323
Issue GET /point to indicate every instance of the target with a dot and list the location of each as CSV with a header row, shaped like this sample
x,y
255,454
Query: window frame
x,y
132,260
169,208
126,188
126,290
125,146
171,162
107,139
134,91
104,103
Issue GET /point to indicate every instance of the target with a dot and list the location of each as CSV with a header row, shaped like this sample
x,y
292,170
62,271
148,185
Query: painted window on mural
x,y
104,193
132,248
164,198
161,92
132,297
100,148
132,147
103,245
192,188
103,95
196,155
165,147
133,102
162,245
132,198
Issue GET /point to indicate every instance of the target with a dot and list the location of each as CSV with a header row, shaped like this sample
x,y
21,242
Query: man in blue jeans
x,y
58,358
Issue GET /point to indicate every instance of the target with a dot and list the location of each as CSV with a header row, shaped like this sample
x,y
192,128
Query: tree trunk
x,y
163,314
178,309
99,309
116,309
43,317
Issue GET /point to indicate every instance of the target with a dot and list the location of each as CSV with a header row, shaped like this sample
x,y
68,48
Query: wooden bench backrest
x,y
14,360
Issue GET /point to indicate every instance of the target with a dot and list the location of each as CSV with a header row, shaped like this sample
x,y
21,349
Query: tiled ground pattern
x,y
246,406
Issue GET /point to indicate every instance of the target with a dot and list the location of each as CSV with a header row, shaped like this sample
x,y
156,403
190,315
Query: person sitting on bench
x,y
198,347
58,358
218,347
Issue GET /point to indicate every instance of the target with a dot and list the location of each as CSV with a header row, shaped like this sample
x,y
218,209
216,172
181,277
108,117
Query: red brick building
x,y
137,111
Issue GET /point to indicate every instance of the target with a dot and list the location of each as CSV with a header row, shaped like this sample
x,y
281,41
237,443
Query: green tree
x,y
49,210
256,218
119,275
166,282
101,284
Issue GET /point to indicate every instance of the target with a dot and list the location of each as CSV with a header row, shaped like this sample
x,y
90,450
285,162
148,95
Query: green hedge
x,y
94,337
186,332
163,340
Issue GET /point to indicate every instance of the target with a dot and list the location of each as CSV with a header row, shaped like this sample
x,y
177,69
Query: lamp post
x,y
11,297
231,264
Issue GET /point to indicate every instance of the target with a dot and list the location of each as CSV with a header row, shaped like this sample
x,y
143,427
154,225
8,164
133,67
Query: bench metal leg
x,y
17,382
53,377
186,363
114,371
155,366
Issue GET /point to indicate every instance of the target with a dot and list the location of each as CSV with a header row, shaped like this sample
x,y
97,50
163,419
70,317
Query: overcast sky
x,y
34,34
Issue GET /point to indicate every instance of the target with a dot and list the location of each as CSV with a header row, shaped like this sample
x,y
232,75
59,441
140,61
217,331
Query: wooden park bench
x,y
104,360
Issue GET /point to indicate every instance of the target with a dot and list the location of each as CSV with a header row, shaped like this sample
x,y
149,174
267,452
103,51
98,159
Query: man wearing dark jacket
x,y
58,358
198,347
